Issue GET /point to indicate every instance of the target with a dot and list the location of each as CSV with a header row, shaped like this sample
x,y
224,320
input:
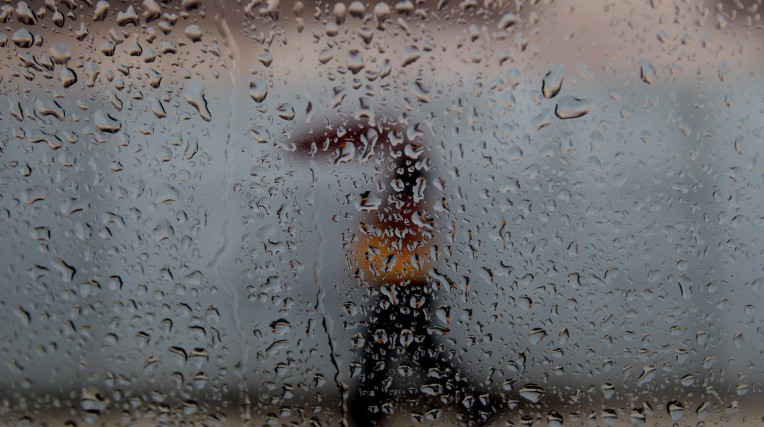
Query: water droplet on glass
x,y
49,107
675,410
646,72
357,9
554,419
532,392
68,77
258,90
194,95
193,32
22,38
368,202
703,410
381,12
60,53
410,55
285,111
648,372
101,8
536,335
105,123
570,107
507,20
25,14
127,17
552,81
355,62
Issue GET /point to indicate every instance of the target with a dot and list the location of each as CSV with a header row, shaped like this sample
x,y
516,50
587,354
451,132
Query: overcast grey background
x,y
187,238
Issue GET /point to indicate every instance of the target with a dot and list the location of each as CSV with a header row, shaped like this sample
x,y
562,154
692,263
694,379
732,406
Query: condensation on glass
x,y
476,212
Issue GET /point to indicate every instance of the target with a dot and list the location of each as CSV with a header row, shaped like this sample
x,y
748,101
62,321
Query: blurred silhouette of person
x,y
392,256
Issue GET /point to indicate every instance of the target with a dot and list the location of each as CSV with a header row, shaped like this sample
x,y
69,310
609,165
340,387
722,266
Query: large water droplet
x,y
507,20
675,410
570,107
194,33
532,392
646,72
355,62
552,81
60,53
194,95
368,202
105,123
68,77
22,38
258,90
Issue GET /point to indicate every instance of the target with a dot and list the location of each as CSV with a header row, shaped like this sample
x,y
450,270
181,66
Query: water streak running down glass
x,y
486,212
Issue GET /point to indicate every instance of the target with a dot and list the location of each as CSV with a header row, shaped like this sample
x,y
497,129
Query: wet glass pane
x,y
476,212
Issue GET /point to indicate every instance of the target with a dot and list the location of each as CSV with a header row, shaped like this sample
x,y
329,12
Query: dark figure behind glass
x,y
402,364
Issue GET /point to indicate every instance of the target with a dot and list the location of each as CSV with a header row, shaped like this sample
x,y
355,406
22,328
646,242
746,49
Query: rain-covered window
x,y
352,213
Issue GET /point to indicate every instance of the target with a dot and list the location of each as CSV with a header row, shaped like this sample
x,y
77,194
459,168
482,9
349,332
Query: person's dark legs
x,y
370,402
399,345
458,389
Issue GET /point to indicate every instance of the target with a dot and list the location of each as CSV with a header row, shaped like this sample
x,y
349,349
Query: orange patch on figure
x,y
393,255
